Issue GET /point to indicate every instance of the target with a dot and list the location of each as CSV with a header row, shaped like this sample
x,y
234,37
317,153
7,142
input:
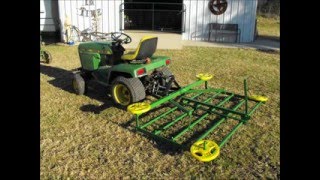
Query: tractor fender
x,y
114,74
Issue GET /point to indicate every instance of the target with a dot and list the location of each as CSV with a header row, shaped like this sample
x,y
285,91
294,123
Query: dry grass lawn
x,y
268,26
86,137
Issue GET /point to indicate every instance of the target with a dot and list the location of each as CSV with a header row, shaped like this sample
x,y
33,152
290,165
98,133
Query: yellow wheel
x,y
126,91
204,76
258,98
139,108
205,150
122,94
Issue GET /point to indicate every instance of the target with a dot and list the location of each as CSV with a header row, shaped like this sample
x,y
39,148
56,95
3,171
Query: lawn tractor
x,y
182,117
130,76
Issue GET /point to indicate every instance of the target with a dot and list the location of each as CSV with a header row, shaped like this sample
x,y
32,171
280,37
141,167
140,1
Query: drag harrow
x,y
187,116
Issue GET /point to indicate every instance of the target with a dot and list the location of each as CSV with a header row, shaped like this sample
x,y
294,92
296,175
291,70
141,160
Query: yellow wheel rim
x,y
139,108
204,76
122,94
205,150
258,98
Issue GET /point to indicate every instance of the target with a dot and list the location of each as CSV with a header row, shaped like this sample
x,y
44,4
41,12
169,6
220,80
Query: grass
x,y
86,137
268,26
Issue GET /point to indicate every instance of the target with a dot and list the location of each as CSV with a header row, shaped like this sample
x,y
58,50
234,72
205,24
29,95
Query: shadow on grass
x,y
268,37
63,80
163,147
270,51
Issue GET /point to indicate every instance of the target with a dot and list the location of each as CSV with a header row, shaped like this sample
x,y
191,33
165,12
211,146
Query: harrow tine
x,y
219,122
166,113
201,118
158,131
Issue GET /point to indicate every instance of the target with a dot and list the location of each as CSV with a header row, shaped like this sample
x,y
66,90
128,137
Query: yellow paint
x,y
258,98
139,108
205,150
132,55
204,76
122,94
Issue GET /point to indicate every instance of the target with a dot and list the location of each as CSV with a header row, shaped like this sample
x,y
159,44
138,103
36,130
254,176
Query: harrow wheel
x,y
258,98
139,108
204,76
205,150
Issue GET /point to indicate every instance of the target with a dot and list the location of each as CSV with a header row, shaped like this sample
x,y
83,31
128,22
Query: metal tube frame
x,y
228,113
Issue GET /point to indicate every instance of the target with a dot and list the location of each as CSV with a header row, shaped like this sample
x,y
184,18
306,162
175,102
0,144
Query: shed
x,y
190,18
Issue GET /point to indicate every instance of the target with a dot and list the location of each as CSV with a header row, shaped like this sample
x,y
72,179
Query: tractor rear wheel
x,y
47,57
79,84
126,91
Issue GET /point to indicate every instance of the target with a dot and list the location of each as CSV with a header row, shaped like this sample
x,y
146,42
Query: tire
x,y
126,91
47,57
79,84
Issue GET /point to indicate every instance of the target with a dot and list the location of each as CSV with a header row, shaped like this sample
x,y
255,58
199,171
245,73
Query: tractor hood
x,y
95,47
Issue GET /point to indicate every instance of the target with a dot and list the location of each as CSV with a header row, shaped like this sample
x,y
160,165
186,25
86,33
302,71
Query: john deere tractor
x,y
129,76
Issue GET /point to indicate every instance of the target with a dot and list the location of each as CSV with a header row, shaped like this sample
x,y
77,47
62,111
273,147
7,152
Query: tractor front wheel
x,y
126,91
47,57
79,84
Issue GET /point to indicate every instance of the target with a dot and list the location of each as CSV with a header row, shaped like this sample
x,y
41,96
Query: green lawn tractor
x,y
182,117
129,76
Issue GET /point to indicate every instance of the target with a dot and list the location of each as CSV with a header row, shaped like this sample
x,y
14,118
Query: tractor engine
x,y
160,82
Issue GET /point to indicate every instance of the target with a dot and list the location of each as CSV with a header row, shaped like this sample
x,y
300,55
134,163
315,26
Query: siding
x,y
109,19
48,19
198,15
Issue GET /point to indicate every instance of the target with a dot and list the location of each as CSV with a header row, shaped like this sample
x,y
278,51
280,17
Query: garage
x,y
196,20
49,20
159,15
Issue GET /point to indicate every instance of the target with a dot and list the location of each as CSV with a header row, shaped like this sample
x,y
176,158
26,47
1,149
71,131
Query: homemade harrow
x,y
184,118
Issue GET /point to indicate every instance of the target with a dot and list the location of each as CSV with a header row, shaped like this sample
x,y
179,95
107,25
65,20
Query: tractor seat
x,y
147,46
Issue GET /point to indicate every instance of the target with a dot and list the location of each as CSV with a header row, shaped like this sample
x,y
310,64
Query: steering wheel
x,y
121,37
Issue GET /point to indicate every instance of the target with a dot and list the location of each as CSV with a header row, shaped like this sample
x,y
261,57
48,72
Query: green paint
x,y
164,114
132,68
214,106
227,137
201,118
90,61
175,94
217,124
245,96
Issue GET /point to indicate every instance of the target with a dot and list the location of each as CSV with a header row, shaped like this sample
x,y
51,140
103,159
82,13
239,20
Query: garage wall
x,y
80,14
198,15
49,16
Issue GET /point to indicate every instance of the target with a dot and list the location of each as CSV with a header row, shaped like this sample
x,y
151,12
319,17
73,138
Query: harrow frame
x,y
181,102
